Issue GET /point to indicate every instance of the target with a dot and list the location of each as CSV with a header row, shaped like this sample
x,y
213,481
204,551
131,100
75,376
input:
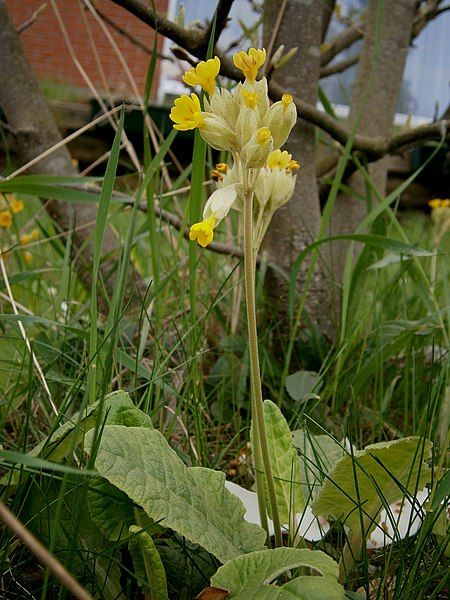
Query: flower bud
x,y
224,105
255,153
220,202
246,125
274,187
217,133
280,119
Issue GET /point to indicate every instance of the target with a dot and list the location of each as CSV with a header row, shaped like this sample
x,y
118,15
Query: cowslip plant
x,y
259,181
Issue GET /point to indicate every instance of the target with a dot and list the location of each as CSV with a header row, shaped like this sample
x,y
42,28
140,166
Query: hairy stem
x,y
262,453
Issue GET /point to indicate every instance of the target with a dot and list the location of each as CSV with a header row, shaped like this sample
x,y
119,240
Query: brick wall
x,y
47,50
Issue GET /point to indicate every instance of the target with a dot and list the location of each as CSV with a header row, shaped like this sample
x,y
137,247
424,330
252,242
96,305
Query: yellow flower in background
x,y
30,237
14,204
279,160
5,219
27,257
204,74
250,62
250,98
186,113
203,232
439,203
440,213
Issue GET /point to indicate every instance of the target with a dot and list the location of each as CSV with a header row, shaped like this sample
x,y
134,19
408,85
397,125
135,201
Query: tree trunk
x,y
377,89
34,131
296,225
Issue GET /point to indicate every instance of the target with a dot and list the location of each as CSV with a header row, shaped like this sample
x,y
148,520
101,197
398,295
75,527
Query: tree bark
x,y
296,225
375,92
33,130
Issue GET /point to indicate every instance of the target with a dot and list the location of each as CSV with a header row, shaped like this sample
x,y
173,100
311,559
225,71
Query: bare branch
x,y
127,35
32,19
354,32
339,67
341,41
327,13
187,38
221,14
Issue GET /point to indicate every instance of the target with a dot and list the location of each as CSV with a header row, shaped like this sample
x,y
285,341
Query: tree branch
x,y
354,32
127,35
327,13
341,41
339,66
221,14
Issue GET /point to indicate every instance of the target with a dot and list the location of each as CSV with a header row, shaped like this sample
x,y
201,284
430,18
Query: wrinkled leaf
x,y
386,469
285,466
317,456
110,509
249,577
140,462
117,408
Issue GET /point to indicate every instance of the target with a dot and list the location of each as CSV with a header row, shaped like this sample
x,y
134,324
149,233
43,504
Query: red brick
x,y
47,51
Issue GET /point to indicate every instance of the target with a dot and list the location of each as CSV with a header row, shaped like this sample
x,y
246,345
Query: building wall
x,y
48,53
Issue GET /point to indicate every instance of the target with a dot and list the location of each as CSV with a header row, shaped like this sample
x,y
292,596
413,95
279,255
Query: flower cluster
x,y
9,206
244,123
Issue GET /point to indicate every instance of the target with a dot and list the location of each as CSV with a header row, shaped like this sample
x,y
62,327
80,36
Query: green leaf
x,y
110,509
302,385
248,577
192,501
308,587
116,408
95,563
285,466
377,475
318,455
148,565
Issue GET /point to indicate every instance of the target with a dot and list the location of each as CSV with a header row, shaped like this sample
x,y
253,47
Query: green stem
x,y
259,476
257,399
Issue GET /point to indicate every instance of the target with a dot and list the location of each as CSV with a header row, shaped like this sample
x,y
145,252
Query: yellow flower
x,y
222,167
439,203
436,203
30,237
5,219
286,99
204,74
249,62
279,160
28,257
293,166
14,204
186,113
203,232
250,98
263,135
